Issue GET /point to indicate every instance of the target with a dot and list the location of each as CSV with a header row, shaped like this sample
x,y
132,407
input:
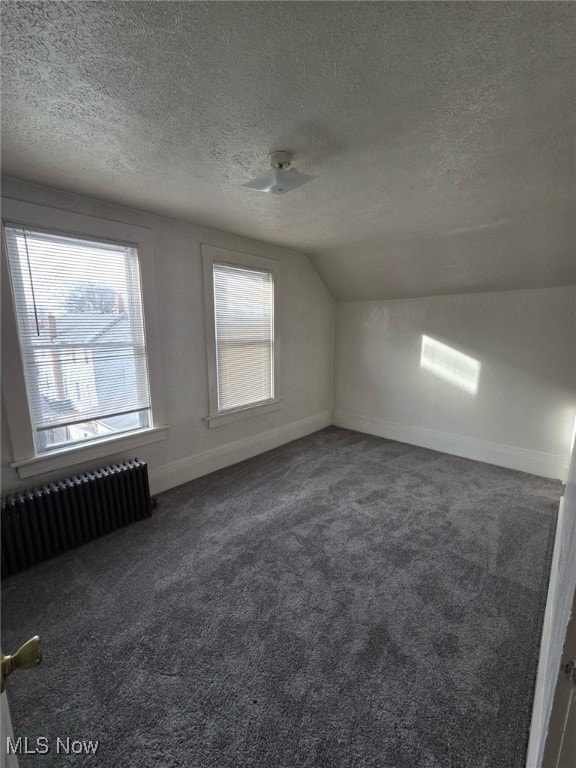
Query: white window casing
x,y
82,375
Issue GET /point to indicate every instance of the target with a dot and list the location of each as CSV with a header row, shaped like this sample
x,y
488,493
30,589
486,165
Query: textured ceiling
x,y
442,134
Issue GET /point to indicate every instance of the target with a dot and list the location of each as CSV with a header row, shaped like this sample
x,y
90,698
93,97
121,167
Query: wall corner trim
x,y
183,470
556,617
512,457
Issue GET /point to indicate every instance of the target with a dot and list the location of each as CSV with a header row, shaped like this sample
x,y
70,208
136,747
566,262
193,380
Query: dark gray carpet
x,y
343,601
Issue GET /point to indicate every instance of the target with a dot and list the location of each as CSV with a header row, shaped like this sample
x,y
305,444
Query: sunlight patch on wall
x,y
455,367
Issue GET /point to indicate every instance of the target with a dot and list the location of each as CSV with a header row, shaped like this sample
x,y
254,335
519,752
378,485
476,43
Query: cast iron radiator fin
x,y
46,521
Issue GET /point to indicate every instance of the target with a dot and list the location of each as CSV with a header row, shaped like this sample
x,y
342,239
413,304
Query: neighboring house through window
x,y
79,310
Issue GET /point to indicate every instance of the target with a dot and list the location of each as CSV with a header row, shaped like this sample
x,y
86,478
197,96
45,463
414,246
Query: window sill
x,y
242,413
68,457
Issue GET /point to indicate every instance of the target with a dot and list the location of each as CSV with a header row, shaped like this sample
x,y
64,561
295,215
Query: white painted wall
x,y
307,321
523,413
558,606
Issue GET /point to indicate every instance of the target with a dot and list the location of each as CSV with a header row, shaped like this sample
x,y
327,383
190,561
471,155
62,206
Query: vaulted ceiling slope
x,y
442,134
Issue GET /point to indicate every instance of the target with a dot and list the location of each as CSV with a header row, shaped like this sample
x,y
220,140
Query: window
x,y
243,339
244,322
80,326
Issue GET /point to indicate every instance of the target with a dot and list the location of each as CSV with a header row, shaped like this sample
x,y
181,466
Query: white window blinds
x,y
244,321
81,330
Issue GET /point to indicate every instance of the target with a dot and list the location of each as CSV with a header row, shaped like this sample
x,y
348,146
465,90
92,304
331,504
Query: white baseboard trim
x,y
198,464
512,457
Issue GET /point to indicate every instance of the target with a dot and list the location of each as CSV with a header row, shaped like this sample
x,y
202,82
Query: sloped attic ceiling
x,y
442,134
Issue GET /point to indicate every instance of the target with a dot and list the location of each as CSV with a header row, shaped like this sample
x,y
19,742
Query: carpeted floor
x,y
343,601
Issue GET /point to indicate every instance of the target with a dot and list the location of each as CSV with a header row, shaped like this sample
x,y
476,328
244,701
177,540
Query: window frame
x,y
26,460
211,254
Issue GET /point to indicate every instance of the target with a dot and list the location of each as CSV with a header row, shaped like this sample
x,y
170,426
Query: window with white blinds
x,y
244,333
81,330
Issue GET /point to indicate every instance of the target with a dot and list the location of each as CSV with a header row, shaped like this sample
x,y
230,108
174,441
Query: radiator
x,y
46,521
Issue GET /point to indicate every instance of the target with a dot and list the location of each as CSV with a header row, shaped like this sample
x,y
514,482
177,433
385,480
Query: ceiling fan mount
x,y
280,159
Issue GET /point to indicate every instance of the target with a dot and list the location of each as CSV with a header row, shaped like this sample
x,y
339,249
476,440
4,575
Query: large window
x,y
243,339
81,332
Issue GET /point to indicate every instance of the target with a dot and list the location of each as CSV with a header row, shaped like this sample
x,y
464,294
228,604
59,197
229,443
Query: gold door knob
x,y
28,655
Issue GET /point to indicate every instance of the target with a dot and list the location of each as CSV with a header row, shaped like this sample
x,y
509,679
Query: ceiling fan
x,y
280,179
